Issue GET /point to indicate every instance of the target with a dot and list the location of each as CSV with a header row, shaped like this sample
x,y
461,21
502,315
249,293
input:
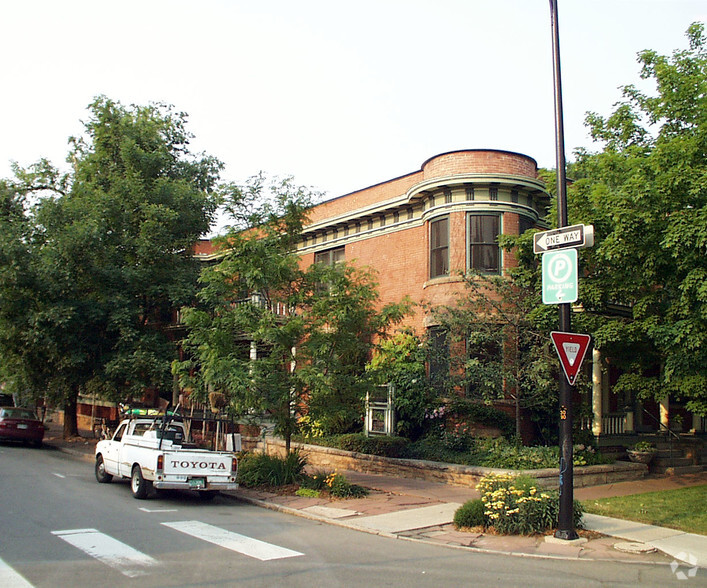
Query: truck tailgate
x,y
198,463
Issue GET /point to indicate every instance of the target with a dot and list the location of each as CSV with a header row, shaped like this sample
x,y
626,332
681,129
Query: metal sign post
x,y
565,523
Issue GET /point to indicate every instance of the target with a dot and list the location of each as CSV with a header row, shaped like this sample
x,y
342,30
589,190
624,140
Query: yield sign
x,y
571,348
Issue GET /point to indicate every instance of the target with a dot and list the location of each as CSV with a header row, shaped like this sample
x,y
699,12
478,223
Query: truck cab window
x,y
119,433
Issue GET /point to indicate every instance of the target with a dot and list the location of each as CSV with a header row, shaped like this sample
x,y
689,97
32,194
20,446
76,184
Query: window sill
x,y
443,280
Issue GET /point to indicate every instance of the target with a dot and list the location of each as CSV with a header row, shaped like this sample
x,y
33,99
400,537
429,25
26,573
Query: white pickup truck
x,y
157,455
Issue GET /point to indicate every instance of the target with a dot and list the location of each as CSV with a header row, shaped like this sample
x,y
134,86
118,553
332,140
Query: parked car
x,y
21,424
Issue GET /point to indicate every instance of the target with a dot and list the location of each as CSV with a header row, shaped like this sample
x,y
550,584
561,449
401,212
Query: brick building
x,y
418,231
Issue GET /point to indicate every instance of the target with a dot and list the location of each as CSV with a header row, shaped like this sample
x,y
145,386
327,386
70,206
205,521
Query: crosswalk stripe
x,y
233,541
128,561
9,578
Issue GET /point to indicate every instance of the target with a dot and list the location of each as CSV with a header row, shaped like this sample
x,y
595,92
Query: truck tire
x,y
101,475
138,484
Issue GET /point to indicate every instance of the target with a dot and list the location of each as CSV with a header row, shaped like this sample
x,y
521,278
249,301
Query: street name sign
x,y
571,348
559,278
564,238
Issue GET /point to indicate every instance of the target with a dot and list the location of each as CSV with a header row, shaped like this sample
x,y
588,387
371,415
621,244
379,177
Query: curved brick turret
x,y
479,161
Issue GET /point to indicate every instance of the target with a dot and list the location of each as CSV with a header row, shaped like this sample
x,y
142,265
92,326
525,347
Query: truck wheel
x,y
101,475
207,495
139,485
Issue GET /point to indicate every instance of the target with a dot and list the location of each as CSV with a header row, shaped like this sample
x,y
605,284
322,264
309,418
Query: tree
x,y
402,361
498,335
276,338
109,247
646,194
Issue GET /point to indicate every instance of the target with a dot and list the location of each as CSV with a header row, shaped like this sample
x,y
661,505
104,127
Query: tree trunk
x,y
518,433
71,428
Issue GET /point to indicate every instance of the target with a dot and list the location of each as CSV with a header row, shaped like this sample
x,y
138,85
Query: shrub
x,y
383,446
340,487
498,453
268,470
307,492
471,514
316,481
516,506
484,414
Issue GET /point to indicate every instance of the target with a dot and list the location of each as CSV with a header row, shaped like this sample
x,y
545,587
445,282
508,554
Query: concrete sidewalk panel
x,y
329,512
686,547
627,529
407,520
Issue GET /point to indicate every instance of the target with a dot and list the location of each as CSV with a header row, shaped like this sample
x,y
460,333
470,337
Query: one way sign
x,y
564,238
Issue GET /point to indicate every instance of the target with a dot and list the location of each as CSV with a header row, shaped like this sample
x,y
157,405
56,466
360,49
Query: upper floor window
x,y
330,256
525,224
439,247
484,253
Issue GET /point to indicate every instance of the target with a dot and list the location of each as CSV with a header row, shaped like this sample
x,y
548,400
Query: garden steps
x,y
679,457
679,470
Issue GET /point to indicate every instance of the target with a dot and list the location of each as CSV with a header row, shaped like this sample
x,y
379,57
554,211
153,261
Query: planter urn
x,y
641,456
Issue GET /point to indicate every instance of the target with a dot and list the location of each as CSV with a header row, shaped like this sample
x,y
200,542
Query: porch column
x,y
597,396
253,351
665,411
696,423
629,426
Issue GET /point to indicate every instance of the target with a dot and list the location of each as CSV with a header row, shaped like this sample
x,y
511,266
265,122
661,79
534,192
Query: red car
x,y
21,424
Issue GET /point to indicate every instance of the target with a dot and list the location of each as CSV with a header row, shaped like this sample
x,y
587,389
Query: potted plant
x,y
642,452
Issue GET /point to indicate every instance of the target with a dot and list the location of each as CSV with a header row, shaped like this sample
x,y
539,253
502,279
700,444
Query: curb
x,y
88,457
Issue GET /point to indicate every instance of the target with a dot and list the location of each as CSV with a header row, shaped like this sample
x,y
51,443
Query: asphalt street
x,y
60,528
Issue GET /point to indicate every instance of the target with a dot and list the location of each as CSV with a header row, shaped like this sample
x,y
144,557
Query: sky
x,y
339,95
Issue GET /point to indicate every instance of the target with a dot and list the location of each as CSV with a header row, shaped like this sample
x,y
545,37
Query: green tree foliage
x,y
402,361
312,328
646,194
498,337
106,251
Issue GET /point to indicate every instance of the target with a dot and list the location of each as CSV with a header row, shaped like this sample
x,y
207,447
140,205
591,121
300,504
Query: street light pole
x,y
565,523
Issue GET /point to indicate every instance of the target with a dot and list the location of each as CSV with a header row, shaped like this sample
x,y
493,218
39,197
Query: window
x,y
330,256
438,358
439,248
484,253
525,224
493,194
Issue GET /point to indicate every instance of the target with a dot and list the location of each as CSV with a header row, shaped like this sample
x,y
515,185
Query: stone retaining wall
x,y
327,458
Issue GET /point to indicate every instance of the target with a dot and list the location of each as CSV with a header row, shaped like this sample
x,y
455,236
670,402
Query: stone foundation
x,y
327,458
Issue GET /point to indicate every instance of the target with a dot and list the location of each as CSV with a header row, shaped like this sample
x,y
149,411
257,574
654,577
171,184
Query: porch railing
x,y
277,308
613,423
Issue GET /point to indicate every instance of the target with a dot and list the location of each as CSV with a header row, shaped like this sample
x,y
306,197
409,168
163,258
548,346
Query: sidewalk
x,y
419,510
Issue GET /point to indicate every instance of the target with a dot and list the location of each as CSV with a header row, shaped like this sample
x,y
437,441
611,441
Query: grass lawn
x,y
684,509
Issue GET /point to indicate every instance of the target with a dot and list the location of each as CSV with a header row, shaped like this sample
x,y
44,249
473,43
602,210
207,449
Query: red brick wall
x,y
492,162
364,198
401,258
